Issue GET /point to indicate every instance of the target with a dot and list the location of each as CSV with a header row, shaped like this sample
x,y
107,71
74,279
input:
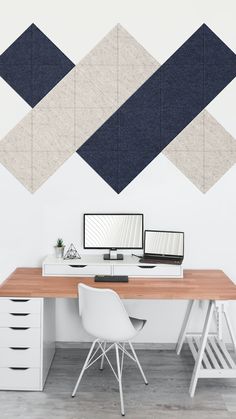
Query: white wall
x,y
30,224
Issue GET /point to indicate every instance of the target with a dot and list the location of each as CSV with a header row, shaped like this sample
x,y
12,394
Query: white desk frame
x,y
212,359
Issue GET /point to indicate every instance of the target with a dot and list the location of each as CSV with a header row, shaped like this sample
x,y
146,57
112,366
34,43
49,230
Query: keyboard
x,y
111,278
168,261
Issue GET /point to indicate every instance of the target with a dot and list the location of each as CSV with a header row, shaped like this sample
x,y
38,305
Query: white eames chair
x,y
104,316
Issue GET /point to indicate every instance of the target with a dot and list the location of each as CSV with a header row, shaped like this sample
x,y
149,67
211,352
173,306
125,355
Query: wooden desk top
x,y
196,285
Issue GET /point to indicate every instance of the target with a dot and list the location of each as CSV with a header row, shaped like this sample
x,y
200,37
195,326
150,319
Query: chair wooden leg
x,y
119,380
84,368
138,363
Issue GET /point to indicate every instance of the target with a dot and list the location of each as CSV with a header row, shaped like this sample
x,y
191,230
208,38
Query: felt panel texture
x,y
160,110
118,108
204,151
77,106
33,65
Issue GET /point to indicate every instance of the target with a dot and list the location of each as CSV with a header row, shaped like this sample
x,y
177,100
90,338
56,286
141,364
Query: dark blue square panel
x,y
46,65
105,163
219,65
131,164
140,118
105,138
182,87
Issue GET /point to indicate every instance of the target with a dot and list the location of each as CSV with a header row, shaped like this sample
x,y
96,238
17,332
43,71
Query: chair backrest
x,y
103,314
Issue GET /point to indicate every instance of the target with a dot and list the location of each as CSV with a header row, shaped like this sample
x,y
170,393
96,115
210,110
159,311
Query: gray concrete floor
x,y
166,396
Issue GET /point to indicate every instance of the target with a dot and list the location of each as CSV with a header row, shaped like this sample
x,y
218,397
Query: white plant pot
x,y
59,251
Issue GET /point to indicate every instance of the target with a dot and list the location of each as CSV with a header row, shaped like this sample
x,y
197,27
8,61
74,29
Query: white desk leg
x,y
201,350
219,318
229,327
183,330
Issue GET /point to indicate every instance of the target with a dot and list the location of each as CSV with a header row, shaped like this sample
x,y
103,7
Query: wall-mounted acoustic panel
x,y
160,109
78,105
204,151
33,65
118,108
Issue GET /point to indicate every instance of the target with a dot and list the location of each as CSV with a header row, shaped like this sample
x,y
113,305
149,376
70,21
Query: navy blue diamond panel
x,y
160,109
33,65
219,65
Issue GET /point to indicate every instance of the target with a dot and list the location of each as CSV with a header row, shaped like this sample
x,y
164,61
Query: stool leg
x,y
84,368
119,380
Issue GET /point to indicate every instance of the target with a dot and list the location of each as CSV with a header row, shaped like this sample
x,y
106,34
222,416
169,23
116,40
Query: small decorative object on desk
x,y
59,248
72,253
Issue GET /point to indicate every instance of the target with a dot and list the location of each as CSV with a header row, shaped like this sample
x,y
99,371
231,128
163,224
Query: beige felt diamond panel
x,y
204,151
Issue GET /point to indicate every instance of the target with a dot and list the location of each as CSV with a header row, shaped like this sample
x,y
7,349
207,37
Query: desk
x,y
195,285
211,285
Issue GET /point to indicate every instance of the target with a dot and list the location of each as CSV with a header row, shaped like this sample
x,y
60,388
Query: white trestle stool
x,y
104,316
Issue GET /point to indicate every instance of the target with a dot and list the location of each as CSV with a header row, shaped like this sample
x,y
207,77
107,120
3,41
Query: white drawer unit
x,y
16,319
20,378
16,356
20,305
158,271
27,342
91,265
19,336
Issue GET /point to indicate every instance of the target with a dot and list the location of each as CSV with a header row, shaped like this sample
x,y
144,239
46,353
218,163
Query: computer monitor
x,y
113,231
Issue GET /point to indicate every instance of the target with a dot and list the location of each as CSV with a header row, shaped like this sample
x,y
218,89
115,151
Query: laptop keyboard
x,y
169,261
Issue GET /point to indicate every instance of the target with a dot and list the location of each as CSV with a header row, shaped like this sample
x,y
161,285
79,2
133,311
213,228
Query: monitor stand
x,y
113,255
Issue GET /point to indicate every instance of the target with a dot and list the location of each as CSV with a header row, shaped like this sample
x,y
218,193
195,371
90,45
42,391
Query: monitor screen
x,y
113,231
169,243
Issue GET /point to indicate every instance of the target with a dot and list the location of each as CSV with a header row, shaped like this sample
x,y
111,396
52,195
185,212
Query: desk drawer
x,y
20,305
76,270
19,320
159,271
19,337
20,379
20,357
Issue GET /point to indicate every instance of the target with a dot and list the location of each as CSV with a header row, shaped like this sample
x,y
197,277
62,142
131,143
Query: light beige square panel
x,y
210,151
20,137
19,163
135,65
76,107
190,139
191,164
44,162
216,164
53,130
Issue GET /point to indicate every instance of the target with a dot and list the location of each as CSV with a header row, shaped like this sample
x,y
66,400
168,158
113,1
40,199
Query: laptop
x,y
163,247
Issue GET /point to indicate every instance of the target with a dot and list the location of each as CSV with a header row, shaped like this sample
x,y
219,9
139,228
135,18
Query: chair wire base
x,y
105,348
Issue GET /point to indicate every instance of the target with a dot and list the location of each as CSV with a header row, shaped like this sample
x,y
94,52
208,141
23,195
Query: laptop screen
x,y
164,243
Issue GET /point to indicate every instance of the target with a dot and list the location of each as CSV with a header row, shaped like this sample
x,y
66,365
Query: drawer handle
x,y
19,328
19,314
19,368
146,266
18,301
77,266
14,348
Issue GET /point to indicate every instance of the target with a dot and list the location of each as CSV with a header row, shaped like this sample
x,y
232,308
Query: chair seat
x,y
137,323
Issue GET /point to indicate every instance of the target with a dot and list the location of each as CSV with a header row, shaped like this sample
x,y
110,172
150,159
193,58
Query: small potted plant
x,y
59,248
